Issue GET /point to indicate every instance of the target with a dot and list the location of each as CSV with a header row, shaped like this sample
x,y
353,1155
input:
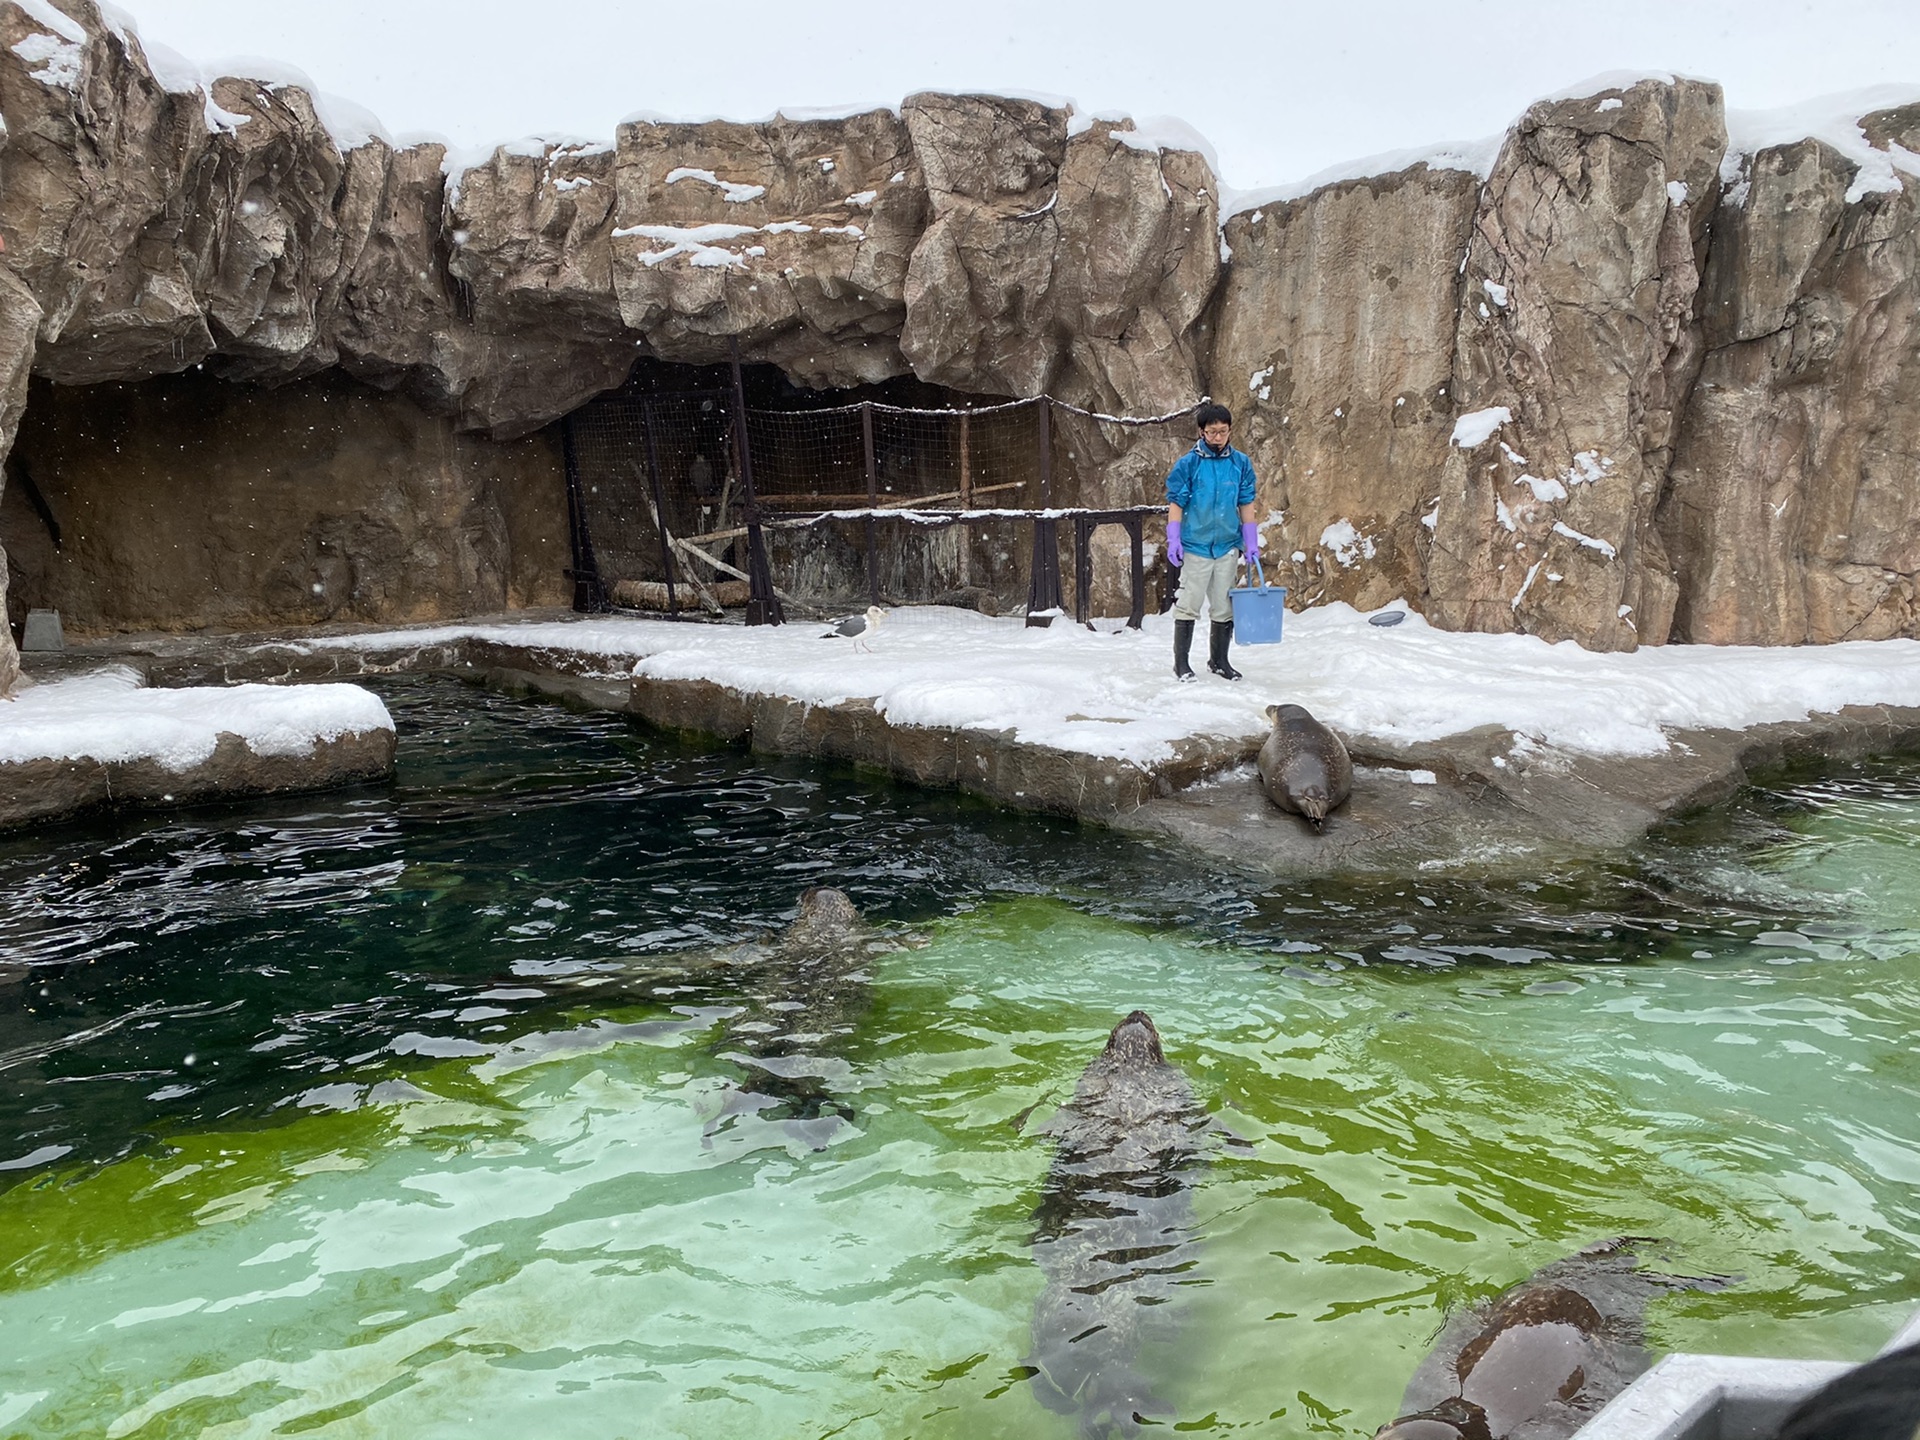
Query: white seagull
x,y
856,627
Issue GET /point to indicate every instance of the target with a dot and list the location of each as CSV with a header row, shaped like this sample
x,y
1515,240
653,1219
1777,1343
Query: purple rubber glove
x,y
1176,552
1250,540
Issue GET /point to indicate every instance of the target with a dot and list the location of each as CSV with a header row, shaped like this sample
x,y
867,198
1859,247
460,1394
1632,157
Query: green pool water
x,y
418,1111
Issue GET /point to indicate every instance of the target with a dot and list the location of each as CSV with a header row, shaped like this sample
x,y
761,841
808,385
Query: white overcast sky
x,y
1282,88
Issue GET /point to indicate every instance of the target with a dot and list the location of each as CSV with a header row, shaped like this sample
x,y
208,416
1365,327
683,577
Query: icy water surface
x,y
427,1111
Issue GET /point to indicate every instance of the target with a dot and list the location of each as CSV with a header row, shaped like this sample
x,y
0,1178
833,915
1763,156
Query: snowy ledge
x,y
70,744
1111,695
1472,751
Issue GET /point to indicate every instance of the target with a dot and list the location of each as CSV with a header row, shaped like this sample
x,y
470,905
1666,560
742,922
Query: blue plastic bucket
x,y
1258,610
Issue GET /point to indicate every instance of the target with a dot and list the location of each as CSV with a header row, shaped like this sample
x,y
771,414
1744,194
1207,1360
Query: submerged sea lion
x,y
1540,1359
1304,766
1113,1233
800,996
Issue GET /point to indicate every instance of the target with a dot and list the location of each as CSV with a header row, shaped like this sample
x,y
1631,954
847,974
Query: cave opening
x,y
661,470
193,503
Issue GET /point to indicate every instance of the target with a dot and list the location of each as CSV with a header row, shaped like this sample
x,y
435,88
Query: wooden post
x,y
1043,589
1139,574
1083,526
966,496
659,505
589,594
763,606
1046,453
873,499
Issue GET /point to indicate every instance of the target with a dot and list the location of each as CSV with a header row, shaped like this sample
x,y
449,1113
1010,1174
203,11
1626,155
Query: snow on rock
x,y
111,716
1348,544
1834,120
1605,81
1474,156
59,53
1560,527
1112,694
697,242
731,191
1476,428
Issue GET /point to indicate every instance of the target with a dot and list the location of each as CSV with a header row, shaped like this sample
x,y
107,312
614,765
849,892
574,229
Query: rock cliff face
x,y
1579,324
191,502
1334,347
1584,396
1795,509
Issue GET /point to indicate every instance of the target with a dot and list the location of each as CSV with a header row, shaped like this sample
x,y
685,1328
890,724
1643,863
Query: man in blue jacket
x,y
1209,524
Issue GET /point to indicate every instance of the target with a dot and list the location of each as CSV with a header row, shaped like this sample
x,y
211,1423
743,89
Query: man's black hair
x,y
1212,414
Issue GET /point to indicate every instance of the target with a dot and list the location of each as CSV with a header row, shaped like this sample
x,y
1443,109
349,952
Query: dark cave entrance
x,y
660,490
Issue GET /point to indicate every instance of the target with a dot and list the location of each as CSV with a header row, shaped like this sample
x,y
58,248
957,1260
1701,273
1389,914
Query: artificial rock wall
x,y
188,502
1707,363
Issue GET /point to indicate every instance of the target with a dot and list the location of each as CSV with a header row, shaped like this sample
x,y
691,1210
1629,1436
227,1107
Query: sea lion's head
x,y
1286,714
1452,1419
827,917
1313,805
1134,1041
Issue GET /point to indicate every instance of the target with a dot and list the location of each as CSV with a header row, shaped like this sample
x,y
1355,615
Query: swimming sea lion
x,y
1304,766
1113,1233
801,996
1537,1362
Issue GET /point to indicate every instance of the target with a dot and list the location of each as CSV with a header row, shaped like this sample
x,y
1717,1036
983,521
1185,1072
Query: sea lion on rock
x,y
1304,766
1113,1233
1537,1362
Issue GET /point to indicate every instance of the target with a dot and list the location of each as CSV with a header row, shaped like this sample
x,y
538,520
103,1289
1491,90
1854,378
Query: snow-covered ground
x,y
1112,693
110,716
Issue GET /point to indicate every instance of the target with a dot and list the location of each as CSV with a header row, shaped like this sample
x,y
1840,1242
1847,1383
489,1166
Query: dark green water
x,y
412,1112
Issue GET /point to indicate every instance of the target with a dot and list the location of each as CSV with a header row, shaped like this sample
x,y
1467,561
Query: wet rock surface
x,y
1491,800
41,790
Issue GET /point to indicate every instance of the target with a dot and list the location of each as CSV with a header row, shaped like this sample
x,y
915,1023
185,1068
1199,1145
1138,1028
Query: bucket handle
x,y
1259,574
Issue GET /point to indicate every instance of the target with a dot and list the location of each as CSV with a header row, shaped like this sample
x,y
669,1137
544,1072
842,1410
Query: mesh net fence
x,y
857,502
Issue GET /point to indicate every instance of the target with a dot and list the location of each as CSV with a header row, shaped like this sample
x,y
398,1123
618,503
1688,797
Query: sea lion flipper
x,y
1019,1122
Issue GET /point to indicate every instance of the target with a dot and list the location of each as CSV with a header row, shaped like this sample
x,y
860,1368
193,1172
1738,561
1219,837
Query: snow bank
x,y
1833,120
110,716
1113,694
1475,156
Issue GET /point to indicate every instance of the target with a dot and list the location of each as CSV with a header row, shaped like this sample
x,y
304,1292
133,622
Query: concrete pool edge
x,y
1484,799
1721,1397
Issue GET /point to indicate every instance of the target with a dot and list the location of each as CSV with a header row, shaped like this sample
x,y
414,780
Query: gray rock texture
x,y
190,502
1578,317
1334,348
1794,514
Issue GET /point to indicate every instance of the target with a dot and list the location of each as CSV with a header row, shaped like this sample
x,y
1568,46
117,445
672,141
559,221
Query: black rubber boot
x,y
1182,646
1221,637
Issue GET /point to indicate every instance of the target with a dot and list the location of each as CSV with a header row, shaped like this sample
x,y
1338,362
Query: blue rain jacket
x,y
1210,489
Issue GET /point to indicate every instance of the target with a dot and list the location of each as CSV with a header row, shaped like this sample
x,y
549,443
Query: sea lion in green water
x,y
1114,1232
1539,1360
801,996
1304,766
